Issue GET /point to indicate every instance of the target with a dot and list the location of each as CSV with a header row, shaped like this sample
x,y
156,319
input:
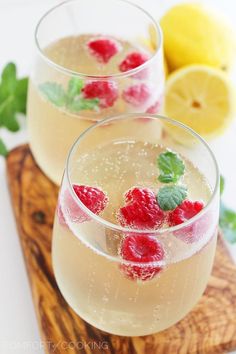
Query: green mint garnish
x,y
171,167
83,104
13,96
169,197
54,93
222,184
75,86
3,149
227,217
71,98
228,223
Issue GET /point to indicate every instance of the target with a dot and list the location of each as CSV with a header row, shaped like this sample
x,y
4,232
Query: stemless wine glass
x,y
94,60
111,291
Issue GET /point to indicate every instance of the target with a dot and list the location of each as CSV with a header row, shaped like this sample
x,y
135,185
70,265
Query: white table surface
x,y
19,332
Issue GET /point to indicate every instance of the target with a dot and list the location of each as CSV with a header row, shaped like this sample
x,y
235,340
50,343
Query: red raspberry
x,y
141,248
141,210
137,95
103,49
93,198
155,107
132,61
185,211
105,91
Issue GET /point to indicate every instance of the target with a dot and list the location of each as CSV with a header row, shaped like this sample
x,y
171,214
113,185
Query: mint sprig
x,y
171,167
75,86
227,217
13,96
3,149
83,104
169,197
71,98
222,184
54,93
228,223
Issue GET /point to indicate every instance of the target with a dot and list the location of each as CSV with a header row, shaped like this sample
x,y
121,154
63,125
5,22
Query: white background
x,y
18,327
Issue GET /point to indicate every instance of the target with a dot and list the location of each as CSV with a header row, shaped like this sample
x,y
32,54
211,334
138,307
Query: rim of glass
x,y
119,228
94,76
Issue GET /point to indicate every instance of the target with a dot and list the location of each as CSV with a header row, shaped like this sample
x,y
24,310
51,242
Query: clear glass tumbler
x,y
93,60
93,260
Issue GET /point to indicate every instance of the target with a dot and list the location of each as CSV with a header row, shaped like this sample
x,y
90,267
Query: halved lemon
x,y
201,97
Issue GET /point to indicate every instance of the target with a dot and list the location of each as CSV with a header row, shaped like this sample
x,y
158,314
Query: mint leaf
x,y
227,217
222,184
171,167
21,95
75,86
10,122
75,102
70,99
228,223
9,80
83,104
169,197
3,148
13,93
54,93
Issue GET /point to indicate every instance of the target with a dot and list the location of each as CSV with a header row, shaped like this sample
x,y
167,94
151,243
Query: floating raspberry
x,y
132,61
93,198
103,49
137,95
184,212
141,248
141,210
105,91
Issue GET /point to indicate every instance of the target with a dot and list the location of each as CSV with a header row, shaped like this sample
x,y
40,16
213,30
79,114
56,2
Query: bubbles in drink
x,y
131,298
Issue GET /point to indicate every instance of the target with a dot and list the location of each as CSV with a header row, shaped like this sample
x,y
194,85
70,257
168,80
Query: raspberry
x,y
155,107
141,248
132,61
137,95
103,49
185,211
93,198
105,91
141,210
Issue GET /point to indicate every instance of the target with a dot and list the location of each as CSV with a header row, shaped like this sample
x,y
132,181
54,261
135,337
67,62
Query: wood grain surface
x,y
209,329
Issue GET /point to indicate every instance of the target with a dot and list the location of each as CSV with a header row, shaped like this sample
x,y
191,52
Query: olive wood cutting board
x,y
209,329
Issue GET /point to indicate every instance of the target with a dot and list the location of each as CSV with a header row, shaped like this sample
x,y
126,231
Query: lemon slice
x,y
200,97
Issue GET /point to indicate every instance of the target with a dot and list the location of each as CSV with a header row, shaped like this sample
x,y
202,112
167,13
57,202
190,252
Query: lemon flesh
x,y
200,97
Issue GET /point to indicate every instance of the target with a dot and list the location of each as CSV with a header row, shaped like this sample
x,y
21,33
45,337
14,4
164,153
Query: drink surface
x,y
72,53
117,166
86,256
54,126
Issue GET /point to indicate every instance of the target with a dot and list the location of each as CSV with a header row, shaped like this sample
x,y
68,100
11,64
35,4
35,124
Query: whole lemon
x,y
194,35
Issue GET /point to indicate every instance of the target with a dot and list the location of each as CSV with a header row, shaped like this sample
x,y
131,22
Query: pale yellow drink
x,y
52,128
86,258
